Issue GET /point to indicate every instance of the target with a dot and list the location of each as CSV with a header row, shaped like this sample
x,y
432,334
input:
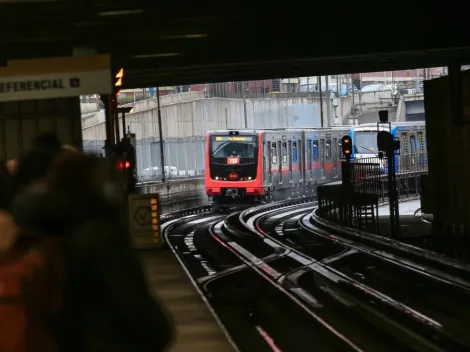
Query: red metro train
x,y
250,166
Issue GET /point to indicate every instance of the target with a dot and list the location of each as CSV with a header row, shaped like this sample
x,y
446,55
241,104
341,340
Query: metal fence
x,y
184,157
355,202
370,175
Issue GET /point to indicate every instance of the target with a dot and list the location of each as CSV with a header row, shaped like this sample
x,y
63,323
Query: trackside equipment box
x,y
144,220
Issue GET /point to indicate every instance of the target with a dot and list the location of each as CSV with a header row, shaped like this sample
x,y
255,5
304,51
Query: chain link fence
x,y
184,157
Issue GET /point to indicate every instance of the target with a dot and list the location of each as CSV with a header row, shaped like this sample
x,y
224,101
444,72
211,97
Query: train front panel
x,y
235,168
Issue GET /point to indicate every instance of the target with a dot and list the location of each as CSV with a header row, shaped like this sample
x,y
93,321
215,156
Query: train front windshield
x,y
233,158
365,142
243,147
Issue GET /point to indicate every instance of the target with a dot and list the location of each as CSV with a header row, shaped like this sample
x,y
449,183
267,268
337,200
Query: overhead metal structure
x,y
178,42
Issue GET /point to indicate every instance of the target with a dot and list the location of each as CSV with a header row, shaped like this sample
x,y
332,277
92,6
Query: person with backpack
x,y
105,303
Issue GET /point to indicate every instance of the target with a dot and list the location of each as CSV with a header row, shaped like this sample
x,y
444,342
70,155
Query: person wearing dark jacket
x,y
35,164
107,303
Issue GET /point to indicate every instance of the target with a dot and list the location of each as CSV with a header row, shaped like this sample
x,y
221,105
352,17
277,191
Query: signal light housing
x,y
123,165
346,146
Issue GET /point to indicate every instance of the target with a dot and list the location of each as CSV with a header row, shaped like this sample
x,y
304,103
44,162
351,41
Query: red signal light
x,y
122,165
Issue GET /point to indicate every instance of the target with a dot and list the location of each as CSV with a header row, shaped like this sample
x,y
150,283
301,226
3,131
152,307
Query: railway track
x,y
277,281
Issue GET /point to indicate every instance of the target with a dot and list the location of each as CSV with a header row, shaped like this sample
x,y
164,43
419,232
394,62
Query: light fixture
x,y
148,56
185,36
89,24
120,13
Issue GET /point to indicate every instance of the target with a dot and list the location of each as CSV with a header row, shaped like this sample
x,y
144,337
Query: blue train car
x,y
412,136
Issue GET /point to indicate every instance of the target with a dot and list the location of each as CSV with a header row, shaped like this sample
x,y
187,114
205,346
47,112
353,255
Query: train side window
x,y
322,149
328,149
273,153
294,152
315,150
284,152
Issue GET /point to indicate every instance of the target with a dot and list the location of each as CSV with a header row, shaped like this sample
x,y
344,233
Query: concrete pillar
x,y
447,107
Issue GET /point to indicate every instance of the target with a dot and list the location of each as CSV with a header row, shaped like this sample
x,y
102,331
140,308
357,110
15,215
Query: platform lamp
x,y
118,80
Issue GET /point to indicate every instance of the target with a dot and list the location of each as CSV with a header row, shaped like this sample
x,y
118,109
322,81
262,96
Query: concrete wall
x,y
89,107
165,100
366,103
178,195
190,114
195,118
417,100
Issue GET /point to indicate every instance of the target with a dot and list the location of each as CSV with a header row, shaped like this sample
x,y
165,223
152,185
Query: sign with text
x,y
55,78
231,160
144,220
234,139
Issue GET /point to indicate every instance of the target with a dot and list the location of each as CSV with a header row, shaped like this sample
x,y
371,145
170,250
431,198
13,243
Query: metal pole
x,y
321,100
328,104
161,135
353,109
116,126
123,124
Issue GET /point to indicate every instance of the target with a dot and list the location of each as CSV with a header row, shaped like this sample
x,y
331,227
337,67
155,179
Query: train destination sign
x,y
233,160
234,139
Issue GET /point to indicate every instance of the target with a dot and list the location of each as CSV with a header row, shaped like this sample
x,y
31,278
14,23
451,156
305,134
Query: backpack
x,y
31,281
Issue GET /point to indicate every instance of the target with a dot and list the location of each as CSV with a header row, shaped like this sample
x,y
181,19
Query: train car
x,y
250,166
412,136
234,167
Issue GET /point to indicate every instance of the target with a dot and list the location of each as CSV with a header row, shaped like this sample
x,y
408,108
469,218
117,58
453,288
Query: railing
x,y
351,209
370,175
366,184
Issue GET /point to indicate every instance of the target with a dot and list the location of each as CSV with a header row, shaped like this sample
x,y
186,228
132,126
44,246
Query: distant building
x,y
404,77
238,89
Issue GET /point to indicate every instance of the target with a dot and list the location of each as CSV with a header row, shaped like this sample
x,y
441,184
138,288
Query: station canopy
x,y
183,42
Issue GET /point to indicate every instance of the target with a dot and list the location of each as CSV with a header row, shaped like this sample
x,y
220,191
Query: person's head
x,y
12,166
82,175
47,141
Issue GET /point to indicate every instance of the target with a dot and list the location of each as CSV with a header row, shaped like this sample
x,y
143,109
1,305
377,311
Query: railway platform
x,y
196,328
412,224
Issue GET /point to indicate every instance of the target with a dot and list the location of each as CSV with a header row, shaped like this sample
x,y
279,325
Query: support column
x,y
448,134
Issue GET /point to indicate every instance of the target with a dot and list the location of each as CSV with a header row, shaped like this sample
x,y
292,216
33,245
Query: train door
x,y
295,157
274,160
316,159
281,161
335,157
328,158
267,162
308,173
413,150
289,159
421,148
404,158
322,158
298,154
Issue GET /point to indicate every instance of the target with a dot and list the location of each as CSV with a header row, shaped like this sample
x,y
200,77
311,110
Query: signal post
x,y
143,209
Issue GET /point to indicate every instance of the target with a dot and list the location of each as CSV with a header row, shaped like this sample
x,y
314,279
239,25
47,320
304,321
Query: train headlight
x,y
249,177
216,177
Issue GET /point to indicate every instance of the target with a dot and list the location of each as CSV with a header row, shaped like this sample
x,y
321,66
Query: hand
x,y
8,231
